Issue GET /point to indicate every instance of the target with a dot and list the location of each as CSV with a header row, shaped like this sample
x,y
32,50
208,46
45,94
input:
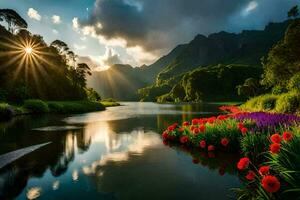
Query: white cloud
x,y
56,19
55,31
34,14
79,47
75,23
250,7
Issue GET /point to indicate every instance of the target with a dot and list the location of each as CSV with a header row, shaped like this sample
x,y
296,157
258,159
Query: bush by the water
x,y
6,111
283,103
74,106
36,106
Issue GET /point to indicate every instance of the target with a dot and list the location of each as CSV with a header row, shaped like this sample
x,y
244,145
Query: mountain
x,y
247,47
122,81
243,49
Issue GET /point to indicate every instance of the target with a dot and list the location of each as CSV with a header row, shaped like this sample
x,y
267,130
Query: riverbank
x,y
36,106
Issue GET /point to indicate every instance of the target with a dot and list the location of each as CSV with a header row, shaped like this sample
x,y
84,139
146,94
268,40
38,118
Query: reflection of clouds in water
x,y
55,185
75,175
34,192
130,110
134,143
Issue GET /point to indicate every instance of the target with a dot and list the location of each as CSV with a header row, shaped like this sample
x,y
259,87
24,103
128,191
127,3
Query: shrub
x,y
55,107
294,83
36,106
6,112
74,106
265,102
288,103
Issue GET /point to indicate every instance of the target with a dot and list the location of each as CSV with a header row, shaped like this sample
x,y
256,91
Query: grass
x,y
36,106
109,103
281,103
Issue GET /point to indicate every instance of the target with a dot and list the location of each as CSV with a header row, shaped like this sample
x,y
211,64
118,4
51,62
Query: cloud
x,y
79,47
56,19
55,31
33,14
152,28
75,23
103,62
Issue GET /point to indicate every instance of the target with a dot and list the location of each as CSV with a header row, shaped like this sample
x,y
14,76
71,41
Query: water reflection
x,y
110,159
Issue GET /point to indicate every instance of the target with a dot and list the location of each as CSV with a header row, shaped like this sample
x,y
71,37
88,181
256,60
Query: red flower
x,y
184,139
275,148
243,163
196,131
264,170
202,128
240,125
222,117
276,138
165,135
270,183
196,160
202,144
195,121
211,148
250,176
224,142
244,130
192,128
287,136
185,123
171,128
181,130
211,120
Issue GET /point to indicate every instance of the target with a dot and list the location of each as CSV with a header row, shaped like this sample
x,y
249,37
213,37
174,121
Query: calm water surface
x,y
113,154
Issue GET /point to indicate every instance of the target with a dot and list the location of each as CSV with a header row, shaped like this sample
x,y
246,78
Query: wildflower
x,y
211,148
224,142
250,175
171,128
202,128
185,123
221,117
211,120
240,125
264,170
275,148
244,130
195,121
184,139
287,136
192,128
276,138
270,184
165,135
196,131
243,163
181,130
202,144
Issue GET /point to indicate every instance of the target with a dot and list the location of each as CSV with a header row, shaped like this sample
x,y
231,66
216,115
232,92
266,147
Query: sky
x,y
137,32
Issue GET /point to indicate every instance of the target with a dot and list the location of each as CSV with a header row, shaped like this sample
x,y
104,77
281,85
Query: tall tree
x,y
13,19
293,12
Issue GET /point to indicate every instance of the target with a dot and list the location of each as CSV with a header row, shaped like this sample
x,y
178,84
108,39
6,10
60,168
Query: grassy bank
x,y
109,103
280,103
35,106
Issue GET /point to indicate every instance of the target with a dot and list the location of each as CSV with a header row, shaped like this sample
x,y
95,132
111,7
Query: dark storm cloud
x,y
161,24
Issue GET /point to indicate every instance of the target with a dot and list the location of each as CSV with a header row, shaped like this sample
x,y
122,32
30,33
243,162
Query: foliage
x,y
293,12
6,111
36,106
92,95
251,87
53,72
74,106
282,62
288,102
266,102
294,83
109,103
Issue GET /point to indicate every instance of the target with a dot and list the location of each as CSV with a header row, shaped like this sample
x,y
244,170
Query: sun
x,y
28,50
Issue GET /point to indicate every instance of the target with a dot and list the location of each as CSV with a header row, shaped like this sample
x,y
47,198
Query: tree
x,y
293,12
61,46
13,19
283,59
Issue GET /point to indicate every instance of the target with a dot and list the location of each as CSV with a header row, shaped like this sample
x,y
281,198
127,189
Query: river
x,y
112,154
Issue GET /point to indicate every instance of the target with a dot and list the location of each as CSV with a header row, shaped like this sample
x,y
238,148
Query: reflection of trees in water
x,y
55,157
